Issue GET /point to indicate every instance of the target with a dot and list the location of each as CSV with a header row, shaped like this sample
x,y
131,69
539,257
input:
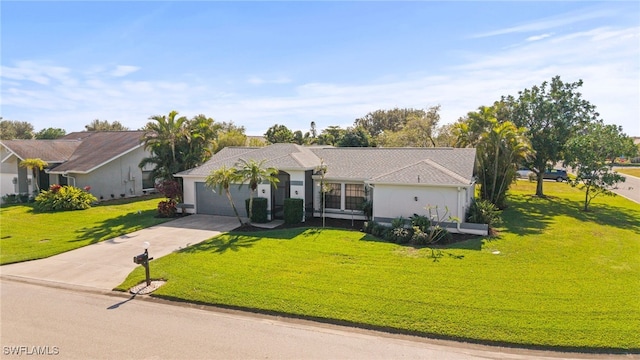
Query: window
x,y
332,196
354,196
147,180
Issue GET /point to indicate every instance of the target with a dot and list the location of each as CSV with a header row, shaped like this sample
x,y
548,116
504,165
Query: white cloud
x,y
605,58
124,70
550,22
539,37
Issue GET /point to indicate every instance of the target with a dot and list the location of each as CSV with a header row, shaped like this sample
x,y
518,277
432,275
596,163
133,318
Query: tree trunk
x,y
234,207
539,185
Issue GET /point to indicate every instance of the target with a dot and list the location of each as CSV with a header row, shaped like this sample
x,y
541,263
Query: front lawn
x,y
28,235
555,276
633,171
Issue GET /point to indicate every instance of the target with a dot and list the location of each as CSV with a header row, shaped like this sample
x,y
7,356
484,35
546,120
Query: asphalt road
x,y
630,188
78,324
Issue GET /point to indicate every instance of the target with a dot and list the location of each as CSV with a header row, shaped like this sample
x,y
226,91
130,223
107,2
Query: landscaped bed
x,y
26,234
554,276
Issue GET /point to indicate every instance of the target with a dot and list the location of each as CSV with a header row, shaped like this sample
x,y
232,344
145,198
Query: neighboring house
x,y
105,161
397,181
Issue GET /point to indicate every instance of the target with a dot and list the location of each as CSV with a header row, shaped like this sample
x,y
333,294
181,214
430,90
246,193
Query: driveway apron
x,y
106,264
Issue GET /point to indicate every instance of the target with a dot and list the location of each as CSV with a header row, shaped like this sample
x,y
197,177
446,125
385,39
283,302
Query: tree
x,y
592,153
36,165
393,120
355,137
177,144
331,135
416,131
279,134
444,136
500,146
50,133
230,138
551,113
161,136
221,179
104,125
10,130
253,172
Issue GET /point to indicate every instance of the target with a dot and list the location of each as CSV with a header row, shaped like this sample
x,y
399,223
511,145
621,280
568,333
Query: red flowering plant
x,y
172,191
54,188
87,188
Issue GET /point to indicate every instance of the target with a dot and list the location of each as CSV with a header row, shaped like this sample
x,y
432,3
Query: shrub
x,y
484,212
61,198
11,199
167,208
259,209
293,211
379,230
420,221
399,235
438,234
398,222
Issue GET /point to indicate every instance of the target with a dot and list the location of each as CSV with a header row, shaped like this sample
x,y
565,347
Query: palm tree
x,y
164,132
500,145
34,164
253,172
221,179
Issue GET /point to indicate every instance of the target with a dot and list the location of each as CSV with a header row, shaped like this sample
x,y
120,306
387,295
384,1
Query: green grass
x,y
28,235
562,278
629,171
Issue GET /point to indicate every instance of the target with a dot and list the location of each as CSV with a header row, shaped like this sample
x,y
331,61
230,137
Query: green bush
x,y
398,222
399,235
484,212
259,210
11,199
62,198
420,221
293,211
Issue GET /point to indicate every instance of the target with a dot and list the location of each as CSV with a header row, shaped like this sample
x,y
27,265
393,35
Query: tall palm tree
x,y
221,179
253,172
500,147
34,164
164,132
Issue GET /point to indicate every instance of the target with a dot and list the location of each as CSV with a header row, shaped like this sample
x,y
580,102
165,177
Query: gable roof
x,y
439,166
442,166
51,151
280,156
78,152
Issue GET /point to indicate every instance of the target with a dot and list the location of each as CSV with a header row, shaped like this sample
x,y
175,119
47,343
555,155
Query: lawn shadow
x,y
114,227
222,244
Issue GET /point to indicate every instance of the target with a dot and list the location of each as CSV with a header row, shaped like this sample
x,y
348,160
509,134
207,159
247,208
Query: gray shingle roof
x,y
80,151
51,151
445,166
99,148
281,156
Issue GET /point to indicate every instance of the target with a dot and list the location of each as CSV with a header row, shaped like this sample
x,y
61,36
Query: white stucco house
x,y
105,161
397,182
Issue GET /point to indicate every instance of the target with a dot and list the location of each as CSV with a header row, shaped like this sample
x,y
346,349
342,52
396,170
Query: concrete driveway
x,y
106,264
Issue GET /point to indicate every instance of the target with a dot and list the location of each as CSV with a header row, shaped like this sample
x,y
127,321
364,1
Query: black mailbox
x,y
140,259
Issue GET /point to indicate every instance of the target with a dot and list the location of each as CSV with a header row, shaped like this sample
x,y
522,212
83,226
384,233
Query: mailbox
x,y
140,259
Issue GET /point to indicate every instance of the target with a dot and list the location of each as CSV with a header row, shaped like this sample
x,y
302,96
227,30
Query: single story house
x,y
396,181
107,162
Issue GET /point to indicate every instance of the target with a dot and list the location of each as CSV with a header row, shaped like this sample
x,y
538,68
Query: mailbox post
x,y
143,259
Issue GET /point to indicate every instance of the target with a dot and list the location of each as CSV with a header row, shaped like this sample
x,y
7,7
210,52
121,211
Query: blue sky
x,y
257,64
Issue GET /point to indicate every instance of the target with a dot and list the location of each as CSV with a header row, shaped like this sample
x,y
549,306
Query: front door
x,y
281,192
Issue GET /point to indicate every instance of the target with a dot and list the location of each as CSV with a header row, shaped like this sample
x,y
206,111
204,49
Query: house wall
x,y
392,201
9,170
120,176
341,213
